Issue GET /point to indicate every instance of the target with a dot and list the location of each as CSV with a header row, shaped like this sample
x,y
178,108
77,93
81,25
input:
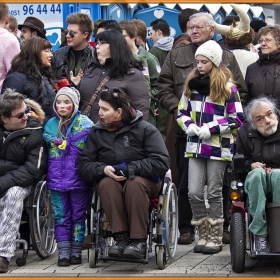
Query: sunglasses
x,y
71,33
21,115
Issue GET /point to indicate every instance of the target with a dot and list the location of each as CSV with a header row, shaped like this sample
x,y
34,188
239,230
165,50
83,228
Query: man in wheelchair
x,y
259,141
127,157
23,161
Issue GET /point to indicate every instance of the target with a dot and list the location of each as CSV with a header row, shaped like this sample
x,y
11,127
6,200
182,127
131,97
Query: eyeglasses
x,y
260,119
71,33
101,42
266,40
21,115
198,28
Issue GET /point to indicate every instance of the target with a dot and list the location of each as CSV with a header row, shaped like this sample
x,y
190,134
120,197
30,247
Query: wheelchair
x,y
241,239
39,214
162,229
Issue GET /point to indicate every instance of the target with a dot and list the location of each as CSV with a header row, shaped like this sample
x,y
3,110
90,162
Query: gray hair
x,y
256,103
9,101
208,18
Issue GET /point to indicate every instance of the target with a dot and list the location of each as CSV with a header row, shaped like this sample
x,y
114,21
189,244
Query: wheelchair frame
x,y
241,239
163,219
41,223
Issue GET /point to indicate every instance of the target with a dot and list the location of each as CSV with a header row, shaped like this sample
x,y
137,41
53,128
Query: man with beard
x,y
259,141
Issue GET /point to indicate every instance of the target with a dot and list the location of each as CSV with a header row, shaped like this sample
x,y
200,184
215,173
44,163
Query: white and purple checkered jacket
x,y
221,118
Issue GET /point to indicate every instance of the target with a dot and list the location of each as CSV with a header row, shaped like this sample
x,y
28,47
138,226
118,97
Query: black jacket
x,y
257,148
23,157
263,77
139,144
60,61
22,84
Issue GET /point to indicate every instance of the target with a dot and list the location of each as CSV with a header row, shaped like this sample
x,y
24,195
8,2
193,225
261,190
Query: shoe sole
x,y
133,255
75,262
210,250
198,249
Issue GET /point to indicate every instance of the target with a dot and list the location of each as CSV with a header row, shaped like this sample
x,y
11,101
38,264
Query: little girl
x,y
65,136
208,112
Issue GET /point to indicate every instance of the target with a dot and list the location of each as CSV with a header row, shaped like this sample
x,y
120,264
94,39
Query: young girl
x,y
209,111
65,136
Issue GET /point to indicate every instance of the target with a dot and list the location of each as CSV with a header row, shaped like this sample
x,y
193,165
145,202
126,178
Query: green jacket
x,y
159,54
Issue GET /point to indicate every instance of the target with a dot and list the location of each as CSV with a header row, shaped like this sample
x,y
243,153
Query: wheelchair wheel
x,y
161,258
42,222
237,242
92,258
170,218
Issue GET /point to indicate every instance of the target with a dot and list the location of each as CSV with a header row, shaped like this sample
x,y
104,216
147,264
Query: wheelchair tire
x,y
92,258
237,242
161,259
20,261
42,222
170,218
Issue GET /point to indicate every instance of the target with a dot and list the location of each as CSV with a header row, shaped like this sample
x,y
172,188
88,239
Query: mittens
x,y
204,133
193,129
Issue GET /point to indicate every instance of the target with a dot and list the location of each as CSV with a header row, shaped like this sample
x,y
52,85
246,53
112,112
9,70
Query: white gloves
x,y
204,133
193,129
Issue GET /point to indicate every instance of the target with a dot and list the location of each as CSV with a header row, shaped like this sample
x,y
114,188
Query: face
x,y
46,57
200,32
103,51
106,112
268,43
64,106
265,121
204,65
18,118
130,41
26,34
154,35
79,41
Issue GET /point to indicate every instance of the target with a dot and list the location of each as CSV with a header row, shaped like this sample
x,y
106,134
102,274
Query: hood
x,y
36,110
165,43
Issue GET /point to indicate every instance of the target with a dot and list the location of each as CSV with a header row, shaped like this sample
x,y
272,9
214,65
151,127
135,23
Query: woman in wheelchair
x,y
259,141
126,156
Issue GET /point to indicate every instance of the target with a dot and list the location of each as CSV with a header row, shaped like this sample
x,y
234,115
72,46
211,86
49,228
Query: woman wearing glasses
x,y
31,74
113,66
263,76
127,157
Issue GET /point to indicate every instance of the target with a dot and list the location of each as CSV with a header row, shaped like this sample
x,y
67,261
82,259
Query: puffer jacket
x,y
23,156
178,65
217,117
257,148
133,83
60,62
22,84
139,144
62,172
263,77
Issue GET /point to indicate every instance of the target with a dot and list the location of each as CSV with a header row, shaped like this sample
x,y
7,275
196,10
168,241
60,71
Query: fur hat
x,y
73,94
212,51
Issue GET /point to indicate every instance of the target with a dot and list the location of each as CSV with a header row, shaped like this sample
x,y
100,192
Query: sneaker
x,y
136,250
186,238
226,237
117,249
63,262
261,245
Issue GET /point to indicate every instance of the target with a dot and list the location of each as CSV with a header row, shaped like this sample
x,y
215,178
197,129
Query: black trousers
x,y
185,211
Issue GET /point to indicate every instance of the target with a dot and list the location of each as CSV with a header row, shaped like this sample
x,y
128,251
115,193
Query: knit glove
x,y
204,133
193,129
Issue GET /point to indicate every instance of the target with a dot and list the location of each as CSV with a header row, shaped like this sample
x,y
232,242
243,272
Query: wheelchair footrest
x,y
120,259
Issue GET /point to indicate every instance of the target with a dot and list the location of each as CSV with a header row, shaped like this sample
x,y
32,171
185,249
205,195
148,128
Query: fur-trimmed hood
x,y
36,109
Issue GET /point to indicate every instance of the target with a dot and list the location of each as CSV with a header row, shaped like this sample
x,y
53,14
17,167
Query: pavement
x,y
185,264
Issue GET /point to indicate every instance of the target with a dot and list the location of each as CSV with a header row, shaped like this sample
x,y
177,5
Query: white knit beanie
x,y
73,94
212,51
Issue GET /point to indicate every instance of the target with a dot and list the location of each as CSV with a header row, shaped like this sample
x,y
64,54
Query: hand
x,y
110,172
156,112
121,169
76,80
193,129
258,165
204,133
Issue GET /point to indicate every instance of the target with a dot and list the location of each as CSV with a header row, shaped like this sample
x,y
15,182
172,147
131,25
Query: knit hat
x,y
73,94
212,51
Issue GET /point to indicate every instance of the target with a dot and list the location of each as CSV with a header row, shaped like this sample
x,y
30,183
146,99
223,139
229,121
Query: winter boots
x,y
210,235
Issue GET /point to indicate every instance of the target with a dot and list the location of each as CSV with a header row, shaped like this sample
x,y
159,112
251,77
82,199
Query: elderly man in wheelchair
x,y
259,141
127,157
23,161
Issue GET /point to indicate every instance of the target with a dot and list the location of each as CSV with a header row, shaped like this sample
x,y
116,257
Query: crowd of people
x,y
119,115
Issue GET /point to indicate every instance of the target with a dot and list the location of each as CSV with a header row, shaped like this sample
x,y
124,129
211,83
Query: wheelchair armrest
x,y
238,164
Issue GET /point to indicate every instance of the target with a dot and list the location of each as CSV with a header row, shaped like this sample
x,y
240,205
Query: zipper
x,y
40,157
200,122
